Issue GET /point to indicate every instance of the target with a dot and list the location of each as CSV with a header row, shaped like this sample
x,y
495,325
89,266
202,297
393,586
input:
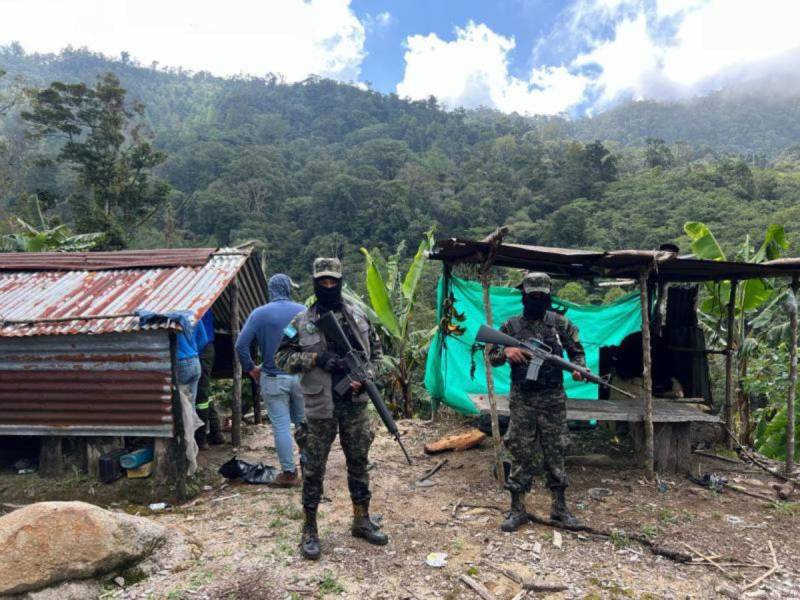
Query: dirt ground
x,y
249,533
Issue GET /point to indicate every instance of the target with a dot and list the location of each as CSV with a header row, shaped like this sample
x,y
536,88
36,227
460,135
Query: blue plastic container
x,y
136,458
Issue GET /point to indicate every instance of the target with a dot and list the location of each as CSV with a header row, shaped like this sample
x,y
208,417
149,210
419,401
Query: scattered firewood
x,y
717,457
430,472
784,491
535,586
775,567
456,505
709,560
477,587
675,555
458,442
506,572
741,490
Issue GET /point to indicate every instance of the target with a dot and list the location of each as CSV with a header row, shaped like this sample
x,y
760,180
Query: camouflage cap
x,y
536,282
327,267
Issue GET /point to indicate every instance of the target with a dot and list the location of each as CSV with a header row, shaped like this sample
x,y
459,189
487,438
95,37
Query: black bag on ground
x,y
248,472
484,423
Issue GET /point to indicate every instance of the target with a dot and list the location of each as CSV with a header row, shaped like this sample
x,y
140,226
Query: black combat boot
x,y
215,437
363,526
517,516
200,434
309,541
559,511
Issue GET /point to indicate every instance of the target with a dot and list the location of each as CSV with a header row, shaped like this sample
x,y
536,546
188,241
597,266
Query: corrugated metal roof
x,y
563,262
101,261
59,302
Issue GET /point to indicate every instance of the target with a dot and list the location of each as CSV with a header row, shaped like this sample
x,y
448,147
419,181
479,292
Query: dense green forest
x,y
147,157
321,166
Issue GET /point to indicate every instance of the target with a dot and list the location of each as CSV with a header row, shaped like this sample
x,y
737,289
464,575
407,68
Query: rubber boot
x,y
215,437
363,526
200,434
517,516
309,540
560,513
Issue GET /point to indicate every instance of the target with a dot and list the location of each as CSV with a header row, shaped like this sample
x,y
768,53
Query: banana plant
x,y
392,297
757,303
46,238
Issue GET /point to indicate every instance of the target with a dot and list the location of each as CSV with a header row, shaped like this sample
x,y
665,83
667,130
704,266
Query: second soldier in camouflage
x,y
538,408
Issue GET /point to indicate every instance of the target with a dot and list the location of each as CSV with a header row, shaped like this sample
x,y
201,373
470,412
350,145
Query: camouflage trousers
x,y
314,438
542,417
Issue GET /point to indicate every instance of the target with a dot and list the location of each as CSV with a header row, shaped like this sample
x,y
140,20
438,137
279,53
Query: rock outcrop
x,y
49,542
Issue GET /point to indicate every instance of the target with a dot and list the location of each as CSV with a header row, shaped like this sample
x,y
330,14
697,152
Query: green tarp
x,y
447,371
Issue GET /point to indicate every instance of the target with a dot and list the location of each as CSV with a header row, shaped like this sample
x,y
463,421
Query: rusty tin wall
x,y
108,384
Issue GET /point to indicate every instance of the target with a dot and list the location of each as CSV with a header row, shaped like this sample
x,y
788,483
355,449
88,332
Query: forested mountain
x,y
317,166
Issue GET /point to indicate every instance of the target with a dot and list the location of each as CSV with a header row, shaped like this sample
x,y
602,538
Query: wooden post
x,y
236,407
728,408
51,456
498,442
790,399
647,375
173,473
495,239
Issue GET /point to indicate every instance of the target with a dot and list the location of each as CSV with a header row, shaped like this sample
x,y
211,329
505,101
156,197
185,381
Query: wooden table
x,y
671,423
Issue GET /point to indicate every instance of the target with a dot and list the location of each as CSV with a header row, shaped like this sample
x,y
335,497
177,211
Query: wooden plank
x,y
664,411
790,397
647,372
728,408
236,405
51,456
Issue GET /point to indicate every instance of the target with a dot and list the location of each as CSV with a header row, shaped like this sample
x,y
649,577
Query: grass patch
x,y
288,511
276,523
665,515
787,509
619,539
650,530
329,584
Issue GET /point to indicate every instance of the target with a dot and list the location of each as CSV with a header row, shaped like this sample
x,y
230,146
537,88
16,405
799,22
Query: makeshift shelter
x,y
652,270
75,360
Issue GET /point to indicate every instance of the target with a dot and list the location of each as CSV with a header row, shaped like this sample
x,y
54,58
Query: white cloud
x,y
715,43
293,38
613,49
472,70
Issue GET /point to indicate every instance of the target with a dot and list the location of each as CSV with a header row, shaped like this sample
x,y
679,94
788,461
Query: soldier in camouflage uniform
x,y
538,408
305,350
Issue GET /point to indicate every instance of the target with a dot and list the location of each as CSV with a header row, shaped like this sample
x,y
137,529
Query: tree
x,y
105,142
657,153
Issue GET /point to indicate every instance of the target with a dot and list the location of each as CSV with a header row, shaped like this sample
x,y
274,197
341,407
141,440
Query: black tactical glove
x,y
330,362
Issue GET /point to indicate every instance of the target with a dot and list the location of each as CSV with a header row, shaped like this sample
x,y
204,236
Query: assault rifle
x,y
540,353
357,371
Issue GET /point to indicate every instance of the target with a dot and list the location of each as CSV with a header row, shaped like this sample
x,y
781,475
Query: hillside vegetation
x,y
320,166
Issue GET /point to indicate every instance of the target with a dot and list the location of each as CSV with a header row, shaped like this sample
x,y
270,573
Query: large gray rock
x,y
49,542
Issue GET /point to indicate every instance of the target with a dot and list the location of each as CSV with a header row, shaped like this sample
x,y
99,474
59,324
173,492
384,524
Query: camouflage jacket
x,y
301,343
556,331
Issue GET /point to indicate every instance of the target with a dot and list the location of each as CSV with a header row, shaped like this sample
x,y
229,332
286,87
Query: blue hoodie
x,y
266,324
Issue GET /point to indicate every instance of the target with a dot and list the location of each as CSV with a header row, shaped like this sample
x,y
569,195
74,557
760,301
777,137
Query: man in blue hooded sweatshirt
x,y
280,391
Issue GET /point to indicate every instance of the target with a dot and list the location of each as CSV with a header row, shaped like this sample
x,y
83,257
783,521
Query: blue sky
x,y
568,57
527,21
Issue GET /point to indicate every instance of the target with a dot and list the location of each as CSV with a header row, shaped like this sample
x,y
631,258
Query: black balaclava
x,y
535,305
330,298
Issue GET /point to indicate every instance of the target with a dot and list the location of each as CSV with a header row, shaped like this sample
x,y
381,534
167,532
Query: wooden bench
x,y
671,424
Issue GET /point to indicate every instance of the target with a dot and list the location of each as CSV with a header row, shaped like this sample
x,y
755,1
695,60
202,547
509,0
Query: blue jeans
x,y
188,371
284,401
